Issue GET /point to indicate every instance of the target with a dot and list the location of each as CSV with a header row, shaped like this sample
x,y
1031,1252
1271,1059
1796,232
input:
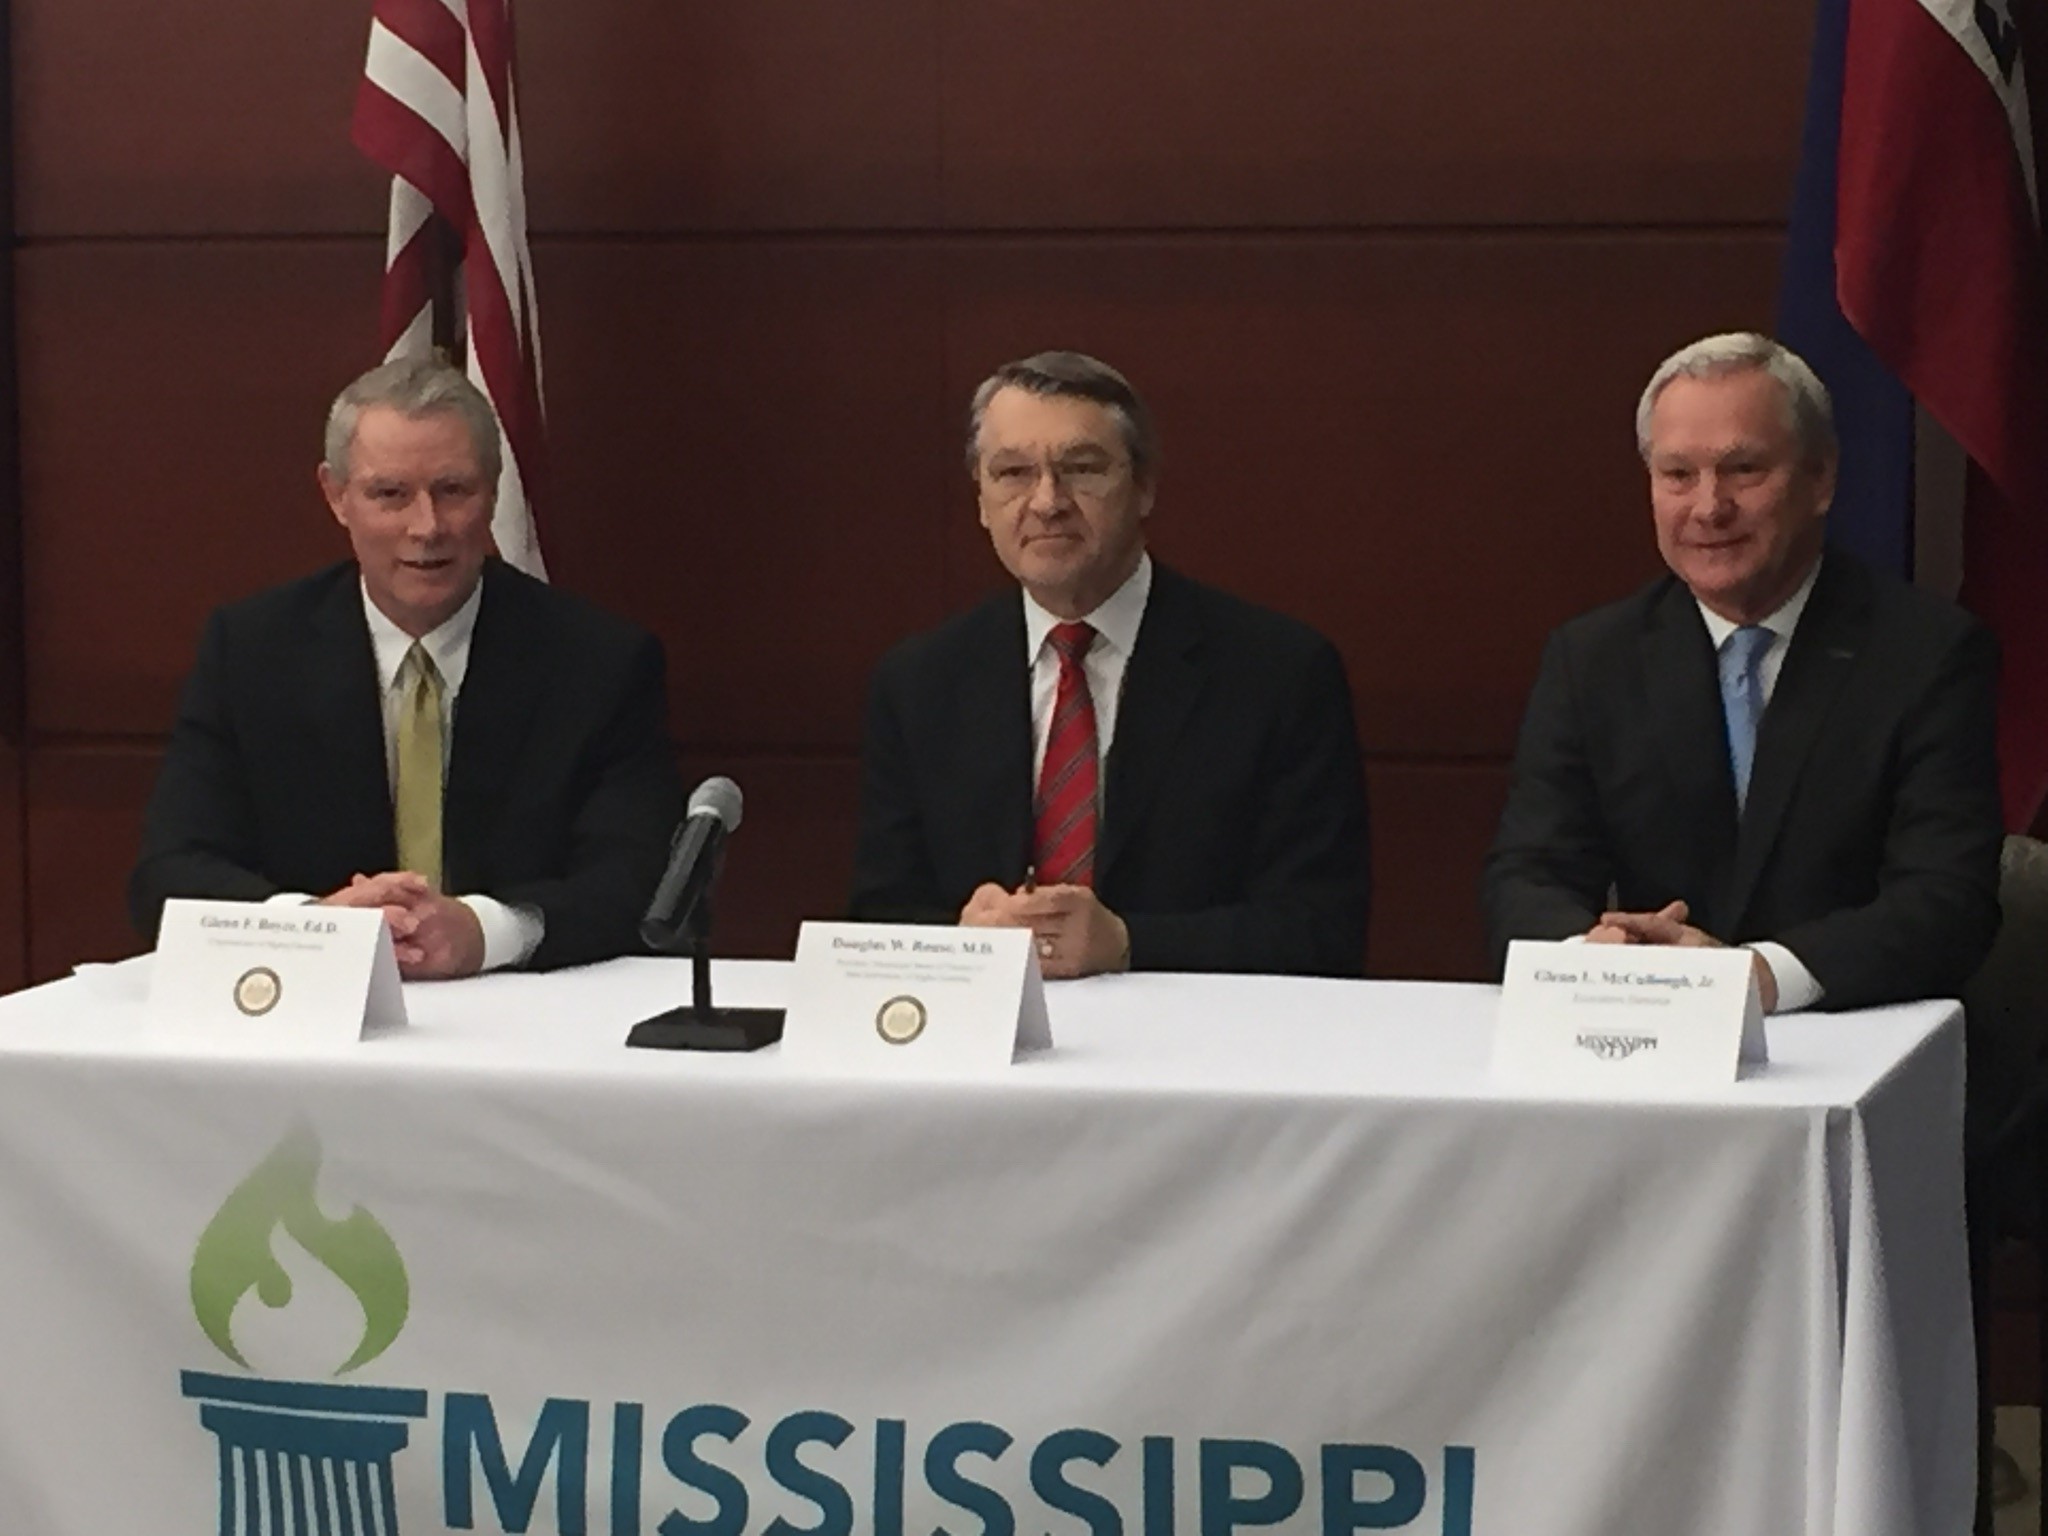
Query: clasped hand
x,y
1668,925
435,937
1075,933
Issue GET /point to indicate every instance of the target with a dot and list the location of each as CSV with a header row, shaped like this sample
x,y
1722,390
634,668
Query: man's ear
x,y
332,489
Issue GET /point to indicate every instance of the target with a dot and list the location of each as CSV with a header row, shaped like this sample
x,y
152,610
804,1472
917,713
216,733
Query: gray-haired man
x,y
1772,746
422,728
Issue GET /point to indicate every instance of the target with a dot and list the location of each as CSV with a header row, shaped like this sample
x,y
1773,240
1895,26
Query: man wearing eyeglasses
x,y
1146,772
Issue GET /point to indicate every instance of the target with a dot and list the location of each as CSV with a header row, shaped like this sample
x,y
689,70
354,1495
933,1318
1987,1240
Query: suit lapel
x,y
1161,684
993,765
1822,655
493,713
347,716
1684,700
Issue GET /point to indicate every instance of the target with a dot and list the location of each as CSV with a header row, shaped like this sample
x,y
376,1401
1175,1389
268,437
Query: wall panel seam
x,y
939,236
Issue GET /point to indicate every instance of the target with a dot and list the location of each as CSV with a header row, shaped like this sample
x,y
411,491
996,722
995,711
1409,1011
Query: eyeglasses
x,y
1085,475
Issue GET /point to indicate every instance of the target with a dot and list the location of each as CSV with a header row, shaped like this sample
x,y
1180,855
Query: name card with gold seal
x,y
274,975
898,999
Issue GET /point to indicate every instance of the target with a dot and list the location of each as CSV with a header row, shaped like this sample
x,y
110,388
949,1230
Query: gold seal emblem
x,y
900,1020
257,991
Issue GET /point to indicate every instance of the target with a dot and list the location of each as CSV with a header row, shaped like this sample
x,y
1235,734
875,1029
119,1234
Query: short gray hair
x,y
1808,411
1074,376
420,385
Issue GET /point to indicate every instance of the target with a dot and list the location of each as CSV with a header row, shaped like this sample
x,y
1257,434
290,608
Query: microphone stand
x,y
697,1025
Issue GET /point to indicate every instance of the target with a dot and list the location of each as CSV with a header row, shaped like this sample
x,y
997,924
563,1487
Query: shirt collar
x,y
1780,622
447,644
1115,620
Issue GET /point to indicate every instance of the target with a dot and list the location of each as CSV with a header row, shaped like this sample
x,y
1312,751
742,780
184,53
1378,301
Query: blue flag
x,y
1873,511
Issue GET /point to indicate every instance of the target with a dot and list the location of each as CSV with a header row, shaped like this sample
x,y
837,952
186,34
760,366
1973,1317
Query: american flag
x,y
437,109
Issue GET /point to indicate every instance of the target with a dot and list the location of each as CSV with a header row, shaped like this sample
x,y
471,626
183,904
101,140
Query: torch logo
x,y
300,1456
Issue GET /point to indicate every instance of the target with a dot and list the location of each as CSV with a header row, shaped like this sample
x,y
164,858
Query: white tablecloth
x,y
1239,1254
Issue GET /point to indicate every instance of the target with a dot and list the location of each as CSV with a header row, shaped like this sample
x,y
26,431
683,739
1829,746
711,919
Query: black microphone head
x,y
721,797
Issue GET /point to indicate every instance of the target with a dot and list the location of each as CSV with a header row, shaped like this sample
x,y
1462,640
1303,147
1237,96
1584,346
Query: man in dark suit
x,y
422,729
1199,803
1773,746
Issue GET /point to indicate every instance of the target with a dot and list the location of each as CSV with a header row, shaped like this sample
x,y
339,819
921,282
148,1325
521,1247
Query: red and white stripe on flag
x,y
1940,266
437,108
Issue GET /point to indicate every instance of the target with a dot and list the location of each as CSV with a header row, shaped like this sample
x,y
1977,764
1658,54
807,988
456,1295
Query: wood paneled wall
x,y
1392,277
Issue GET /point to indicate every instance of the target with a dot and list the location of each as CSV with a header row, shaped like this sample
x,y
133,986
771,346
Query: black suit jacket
x,y
1869,843
1233,835
562,789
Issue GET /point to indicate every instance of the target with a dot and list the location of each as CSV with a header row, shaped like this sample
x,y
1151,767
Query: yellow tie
x,y
418,794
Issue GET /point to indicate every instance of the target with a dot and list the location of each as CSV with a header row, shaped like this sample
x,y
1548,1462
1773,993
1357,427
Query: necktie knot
x,y
1742,653
418,671
1072,640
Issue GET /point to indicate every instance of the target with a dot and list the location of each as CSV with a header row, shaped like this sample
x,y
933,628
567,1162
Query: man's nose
x,y
1048,490
422,515
1717,496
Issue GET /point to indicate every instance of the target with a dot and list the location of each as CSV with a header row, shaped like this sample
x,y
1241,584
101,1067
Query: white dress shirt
x,y
1115,622
510,933
447,647
1780,623
1797,987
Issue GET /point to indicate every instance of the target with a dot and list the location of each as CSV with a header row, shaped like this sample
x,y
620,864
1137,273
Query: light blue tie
x,y
1742,698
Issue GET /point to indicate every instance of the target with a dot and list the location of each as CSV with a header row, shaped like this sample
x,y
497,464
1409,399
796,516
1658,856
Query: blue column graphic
x,y
305,1458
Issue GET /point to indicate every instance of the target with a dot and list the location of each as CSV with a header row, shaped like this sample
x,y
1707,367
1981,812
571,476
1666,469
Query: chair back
x,y
2007,1011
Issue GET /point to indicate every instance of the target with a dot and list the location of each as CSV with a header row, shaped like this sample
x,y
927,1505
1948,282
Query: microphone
x,y
678,920
713,816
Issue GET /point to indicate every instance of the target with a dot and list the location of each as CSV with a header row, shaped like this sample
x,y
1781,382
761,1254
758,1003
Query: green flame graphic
x,y
234,1254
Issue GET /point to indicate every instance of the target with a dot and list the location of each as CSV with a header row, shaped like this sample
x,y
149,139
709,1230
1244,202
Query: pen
x,y
1030,880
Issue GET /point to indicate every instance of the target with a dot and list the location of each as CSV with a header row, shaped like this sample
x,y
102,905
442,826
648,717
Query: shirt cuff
x,y
511,934
1796,987
289,899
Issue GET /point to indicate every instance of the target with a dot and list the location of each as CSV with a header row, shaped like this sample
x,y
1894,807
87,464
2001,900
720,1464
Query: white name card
x,y
290,976
895,999
1614,1018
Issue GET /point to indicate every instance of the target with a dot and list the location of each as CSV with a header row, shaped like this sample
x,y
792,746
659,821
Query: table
x,y
1240,1254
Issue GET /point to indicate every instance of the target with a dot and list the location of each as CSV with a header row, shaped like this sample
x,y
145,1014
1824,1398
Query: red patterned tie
x,y
1065,803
